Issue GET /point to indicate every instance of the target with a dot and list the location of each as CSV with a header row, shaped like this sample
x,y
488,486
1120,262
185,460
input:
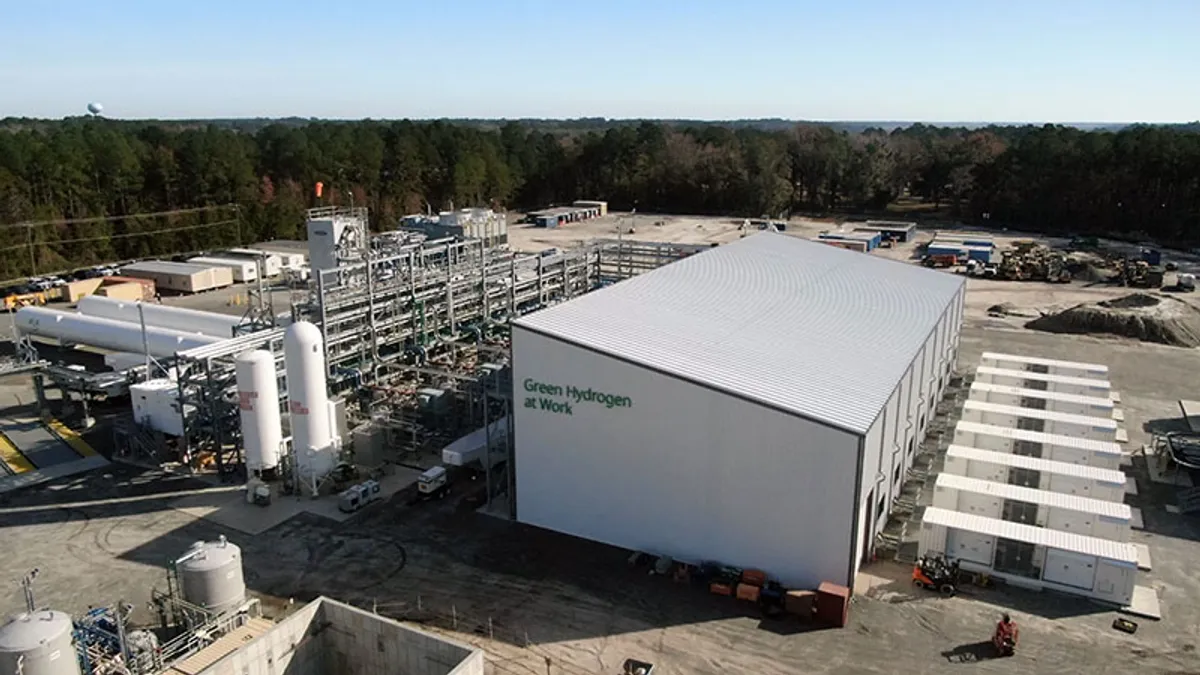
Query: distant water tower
x,y
95,109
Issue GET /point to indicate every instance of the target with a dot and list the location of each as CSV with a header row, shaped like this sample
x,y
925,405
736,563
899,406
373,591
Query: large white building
x,y
755,404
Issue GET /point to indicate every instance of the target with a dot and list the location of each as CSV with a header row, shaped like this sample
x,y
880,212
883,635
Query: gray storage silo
x,y
39,643
210,575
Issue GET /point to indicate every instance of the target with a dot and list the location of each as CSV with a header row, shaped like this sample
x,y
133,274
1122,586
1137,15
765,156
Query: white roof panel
x,y
1039,361
1044,377
1110,476
1085,444
1057,500
166,267
1106,423
1094,401
1038,536
812,329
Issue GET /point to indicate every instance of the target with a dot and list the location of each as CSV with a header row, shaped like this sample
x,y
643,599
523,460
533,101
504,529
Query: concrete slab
x,y
1122,435
28,478
1114,396
1118,415
1143,554
1144,603
1135,518
1131,487
231,510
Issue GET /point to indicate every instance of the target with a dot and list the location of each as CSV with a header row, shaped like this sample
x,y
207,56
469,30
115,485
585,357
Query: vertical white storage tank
x,y
308,402
39,643
258,401
210,575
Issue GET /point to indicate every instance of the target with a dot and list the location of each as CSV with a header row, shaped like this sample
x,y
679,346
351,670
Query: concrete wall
x,y
682,470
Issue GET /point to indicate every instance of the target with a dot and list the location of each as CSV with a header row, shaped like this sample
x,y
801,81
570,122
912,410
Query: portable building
x,y
1081,386
181,277
1034,364
149,289
1043,508
129,291
896,229
939,248
872,239
269,264
244,271
288,260
965,238
1040,399
981,253
1037,444
599,206
1034,472
609,445
1030,419
848,244
1034,557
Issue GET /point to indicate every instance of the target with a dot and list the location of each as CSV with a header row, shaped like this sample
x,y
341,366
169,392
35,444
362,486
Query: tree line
x,y
66,176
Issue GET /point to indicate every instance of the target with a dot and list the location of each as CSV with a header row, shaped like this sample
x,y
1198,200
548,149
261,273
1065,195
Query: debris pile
x,y
1149,318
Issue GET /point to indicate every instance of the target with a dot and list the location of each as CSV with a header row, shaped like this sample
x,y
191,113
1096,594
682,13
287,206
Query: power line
x,y
127,235
101,219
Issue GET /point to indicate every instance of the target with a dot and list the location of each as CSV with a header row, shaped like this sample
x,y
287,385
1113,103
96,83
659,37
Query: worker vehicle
x,y
357,496
1004,639
935,573
23,296
940,260
1186,283
433,484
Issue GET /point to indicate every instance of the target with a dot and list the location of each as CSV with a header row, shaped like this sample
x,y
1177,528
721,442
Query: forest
x,y
74,192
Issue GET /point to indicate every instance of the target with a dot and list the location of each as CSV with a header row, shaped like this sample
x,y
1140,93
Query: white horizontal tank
x,y
258,400
313,438
210,575
213,324
38,643
120,336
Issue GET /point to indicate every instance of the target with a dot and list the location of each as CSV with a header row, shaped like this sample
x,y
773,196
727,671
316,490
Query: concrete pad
x,y
1144,603
1171,476
10,483
1114,396
231,510
1118,415
1135,518
1143,554
1131,486
1122,435
1171,508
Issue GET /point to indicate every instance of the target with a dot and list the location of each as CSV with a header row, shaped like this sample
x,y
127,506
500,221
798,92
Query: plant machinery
x,y
936,574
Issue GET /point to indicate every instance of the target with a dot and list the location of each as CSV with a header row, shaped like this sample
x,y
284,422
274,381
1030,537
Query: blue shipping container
x,y
945,249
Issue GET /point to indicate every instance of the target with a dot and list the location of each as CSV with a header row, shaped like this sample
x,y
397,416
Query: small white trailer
x,y
1062,424
1032,557
1057,447
1043,508
1034,472
243,270
272,263
1040,399
1063,384
1035,364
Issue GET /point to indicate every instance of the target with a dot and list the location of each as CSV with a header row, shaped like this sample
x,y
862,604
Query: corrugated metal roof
x,y
1095,473
166,267
1038,414
1039,361
1041,393
1085,444
819,331
1057,500
1044,377
1038,536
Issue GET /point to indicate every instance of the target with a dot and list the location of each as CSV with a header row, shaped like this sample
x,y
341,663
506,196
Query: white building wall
x,y
682,470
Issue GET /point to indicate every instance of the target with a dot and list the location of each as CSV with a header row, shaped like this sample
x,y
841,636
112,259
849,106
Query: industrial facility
x,y
727,394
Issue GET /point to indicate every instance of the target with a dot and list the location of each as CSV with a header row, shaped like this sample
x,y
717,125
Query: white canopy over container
x,y
1035,364
1057,447
1043,474
213,324
1081,386
1045,421
120,336
1072,404
258,400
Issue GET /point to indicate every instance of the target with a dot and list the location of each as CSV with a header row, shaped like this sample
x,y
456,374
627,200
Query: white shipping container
x,y
243,270
1036,364
1059,448
1042,474
271,263
1062,561
1043,508
1062,424
156,406
1081,386
1072,404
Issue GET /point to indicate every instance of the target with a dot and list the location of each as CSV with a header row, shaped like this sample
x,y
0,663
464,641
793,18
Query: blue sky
x,y
928,60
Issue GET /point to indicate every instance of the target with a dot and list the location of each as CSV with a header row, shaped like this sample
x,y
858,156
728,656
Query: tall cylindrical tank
x,y
308,401
258,399
118,336
38,643
210,575
212,324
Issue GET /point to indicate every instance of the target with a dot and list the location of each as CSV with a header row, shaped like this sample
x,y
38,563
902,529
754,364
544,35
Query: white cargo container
x,y
1100,454
1080,386
1033,557
156,406
1029,419
1043,508
1034,364
1038,399
1034,472
244,271
271,263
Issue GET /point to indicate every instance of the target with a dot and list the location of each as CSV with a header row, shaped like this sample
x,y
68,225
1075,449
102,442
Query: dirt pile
x,y
1141,316
1008,309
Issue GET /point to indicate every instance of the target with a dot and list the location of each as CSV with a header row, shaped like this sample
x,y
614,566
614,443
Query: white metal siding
x,y
1114,582
1070,569
686,471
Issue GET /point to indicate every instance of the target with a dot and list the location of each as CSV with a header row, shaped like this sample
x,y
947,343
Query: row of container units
x,y
896,230
1045,421
180,277
1038,473
1057,447
558,217
1031,506
1040,399
872,239
1063,384
1034,364
848,244
1031,556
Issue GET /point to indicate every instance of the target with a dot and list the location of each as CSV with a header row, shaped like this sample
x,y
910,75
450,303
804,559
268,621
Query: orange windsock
x,y
320,189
